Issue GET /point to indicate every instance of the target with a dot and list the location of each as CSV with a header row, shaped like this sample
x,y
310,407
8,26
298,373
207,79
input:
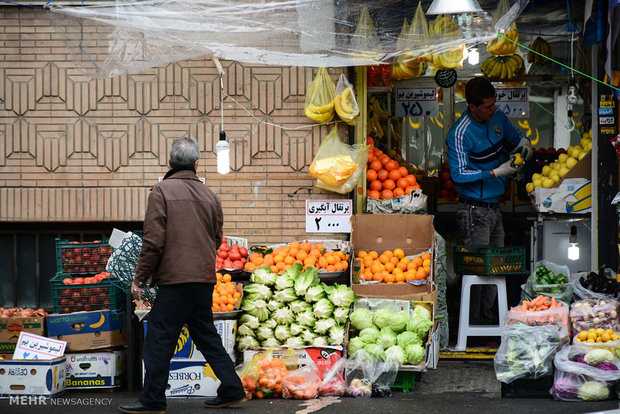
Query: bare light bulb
x,y
474,56
222,150
573,248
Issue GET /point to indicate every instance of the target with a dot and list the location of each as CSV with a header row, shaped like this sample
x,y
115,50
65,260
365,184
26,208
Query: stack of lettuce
x,y
389,335
292,309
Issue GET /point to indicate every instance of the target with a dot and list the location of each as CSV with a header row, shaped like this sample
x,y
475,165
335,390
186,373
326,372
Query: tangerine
x,y
370,141
384,159
387,194
383,175
400,253
426,256
373,194
403,171
389,184
399,192
373,254
411,179
362,254
389,278
389,266
402,183
376,165
376,185
371,175
409,189
394,175
390,165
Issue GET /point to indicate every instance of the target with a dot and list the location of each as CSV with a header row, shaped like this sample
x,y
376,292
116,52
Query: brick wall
x,y
77,149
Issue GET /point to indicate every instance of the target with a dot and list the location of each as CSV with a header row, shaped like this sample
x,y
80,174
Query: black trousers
x,y
176,305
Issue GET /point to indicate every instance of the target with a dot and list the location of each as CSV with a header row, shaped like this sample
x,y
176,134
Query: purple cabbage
x,y
565,388
580,359
607,366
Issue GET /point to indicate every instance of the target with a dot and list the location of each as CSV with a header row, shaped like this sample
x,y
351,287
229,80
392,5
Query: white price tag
x,y
414,102
328,216
513,102
31,346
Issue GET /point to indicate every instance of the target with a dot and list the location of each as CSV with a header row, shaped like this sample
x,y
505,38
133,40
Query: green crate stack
x,y
489,260
68,298
86,257
405,380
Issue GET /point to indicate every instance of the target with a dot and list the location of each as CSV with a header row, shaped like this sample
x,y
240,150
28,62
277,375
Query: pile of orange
x,y
225,294
282,258
386,178
393,267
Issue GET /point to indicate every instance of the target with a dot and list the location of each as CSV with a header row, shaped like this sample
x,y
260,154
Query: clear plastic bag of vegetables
x,y
301,384
319,106
262,376
384,376
526,351
584,373
594,314
548,279
333,380
554,315
359,371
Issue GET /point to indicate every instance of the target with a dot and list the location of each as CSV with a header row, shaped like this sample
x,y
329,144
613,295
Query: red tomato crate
x,y
82,257
85,297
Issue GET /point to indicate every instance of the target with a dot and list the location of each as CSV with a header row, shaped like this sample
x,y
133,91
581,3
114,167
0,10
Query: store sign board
x,y
328,216
414,102
607,115
513,102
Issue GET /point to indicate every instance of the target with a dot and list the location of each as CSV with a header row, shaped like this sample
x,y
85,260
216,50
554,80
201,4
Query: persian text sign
x,y
328,216
513,102
30,346
416,102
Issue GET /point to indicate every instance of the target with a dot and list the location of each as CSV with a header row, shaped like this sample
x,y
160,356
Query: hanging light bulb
x,y
573,246
222,150
474,56
454,7
570,122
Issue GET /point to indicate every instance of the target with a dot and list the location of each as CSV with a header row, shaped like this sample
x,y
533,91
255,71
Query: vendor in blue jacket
x,y
480,148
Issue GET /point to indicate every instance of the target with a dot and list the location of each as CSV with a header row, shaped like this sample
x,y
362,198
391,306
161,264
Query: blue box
x,y
85,331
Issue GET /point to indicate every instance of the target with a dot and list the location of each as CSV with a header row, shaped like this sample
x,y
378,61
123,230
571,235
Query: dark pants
x,y
176,305
480,226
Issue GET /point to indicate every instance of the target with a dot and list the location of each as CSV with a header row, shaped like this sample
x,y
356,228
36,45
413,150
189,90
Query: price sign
x,y
328,216
30,346
513,102
607,115
416,102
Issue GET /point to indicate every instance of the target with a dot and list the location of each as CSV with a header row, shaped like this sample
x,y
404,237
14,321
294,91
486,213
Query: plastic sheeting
x,y
127,36
441,313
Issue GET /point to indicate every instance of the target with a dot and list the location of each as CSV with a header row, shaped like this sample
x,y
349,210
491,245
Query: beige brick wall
x,y
76,149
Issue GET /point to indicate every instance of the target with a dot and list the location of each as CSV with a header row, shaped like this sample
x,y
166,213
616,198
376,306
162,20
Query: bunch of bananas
x,y
446,28
376,113
346,106
320,114
408,67
500,46
542,47
503,67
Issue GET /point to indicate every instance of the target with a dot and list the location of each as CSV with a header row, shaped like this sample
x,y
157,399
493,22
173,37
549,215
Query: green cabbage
x,y
376,351
398,322
382,317
386,338
419,326
415,354
369,335
397,354
247,342
361,318
422,312
597,356
355,344
407,338
593,391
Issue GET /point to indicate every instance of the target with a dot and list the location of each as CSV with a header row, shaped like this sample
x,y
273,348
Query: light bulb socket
x,y
572,239
222,135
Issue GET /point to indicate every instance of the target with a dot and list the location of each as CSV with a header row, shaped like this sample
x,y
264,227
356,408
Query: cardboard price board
x,y
328,216
513,102
416,102
30,346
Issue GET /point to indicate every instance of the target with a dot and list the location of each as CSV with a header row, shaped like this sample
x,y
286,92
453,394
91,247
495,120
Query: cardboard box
x,y
188,378
45,378
10,328
186,348
95,370
85,331
320,359
572,194
402,291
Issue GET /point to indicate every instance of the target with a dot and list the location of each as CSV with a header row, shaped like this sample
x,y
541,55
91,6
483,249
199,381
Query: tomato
x,y
67,281
78,280
234,255
222,254
224,247
243,251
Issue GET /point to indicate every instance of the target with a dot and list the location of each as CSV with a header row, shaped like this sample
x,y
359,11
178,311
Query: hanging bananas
x,y
503,67
446,29
500,46
346,107
376,113
320,114
408,68
541,46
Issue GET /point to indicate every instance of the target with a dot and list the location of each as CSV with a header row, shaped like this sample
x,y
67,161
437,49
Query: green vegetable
x,y
255,307
323,308
306,318
398,322
355,344
250,320
361,318
282,332
341,295
336,335
382,317
285,295
320,341
299,306
294,341
341,315
297,329
321,326
314,294
369,335
375,351
306,280
386,338
593,391
263,275
245,330
397,354
271,343
422,312
419,326
247,342
283,316
415,354
274,304
407,338
258,291
264,332
284,281
597,356
294,270
308,337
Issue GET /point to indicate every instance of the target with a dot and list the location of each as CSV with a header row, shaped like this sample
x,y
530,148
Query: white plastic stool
x,y
465,329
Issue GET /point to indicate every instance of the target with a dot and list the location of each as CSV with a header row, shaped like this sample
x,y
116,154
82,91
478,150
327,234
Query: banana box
x,y
32,377
190,378
85,331
92,370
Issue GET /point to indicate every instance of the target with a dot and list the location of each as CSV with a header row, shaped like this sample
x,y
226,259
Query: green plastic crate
x,y
85,297
405,380
489,260
85,257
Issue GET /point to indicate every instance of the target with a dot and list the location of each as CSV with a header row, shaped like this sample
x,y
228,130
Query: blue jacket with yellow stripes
x,y
474,149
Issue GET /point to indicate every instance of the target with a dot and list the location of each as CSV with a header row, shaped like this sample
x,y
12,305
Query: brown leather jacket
x,y
182,231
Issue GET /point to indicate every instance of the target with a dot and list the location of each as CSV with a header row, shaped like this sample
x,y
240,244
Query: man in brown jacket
x,y
182,231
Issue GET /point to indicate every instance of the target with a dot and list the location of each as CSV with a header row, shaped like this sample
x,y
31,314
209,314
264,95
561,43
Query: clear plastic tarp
x,y
110,39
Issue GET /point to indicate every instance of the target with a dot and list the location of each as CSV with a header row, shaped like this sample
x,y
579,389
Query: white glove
x,y
505,169
524,148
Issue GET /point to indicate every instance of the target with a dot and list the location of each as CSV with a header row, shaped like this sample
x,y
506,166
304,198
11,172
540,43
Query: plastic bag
x,y
345,103
593,314
581,292
412,64
359,369
553,316
445,29
319,106
262,376
365,42
336,165
500,46
526,351
562,291
383,378
301,384
574,380
333,381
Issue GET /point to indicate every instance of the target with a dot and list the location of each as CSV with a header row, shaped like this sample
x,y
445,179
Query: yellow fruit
x,y
546,170
548,183
590,340
605,337
529,187
576,151
581,155
518,160
555,177
536,176
600,331
609,331
592,335
537,182
562,157
577,340
557,166
571,162
583,335
563,171
599,340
